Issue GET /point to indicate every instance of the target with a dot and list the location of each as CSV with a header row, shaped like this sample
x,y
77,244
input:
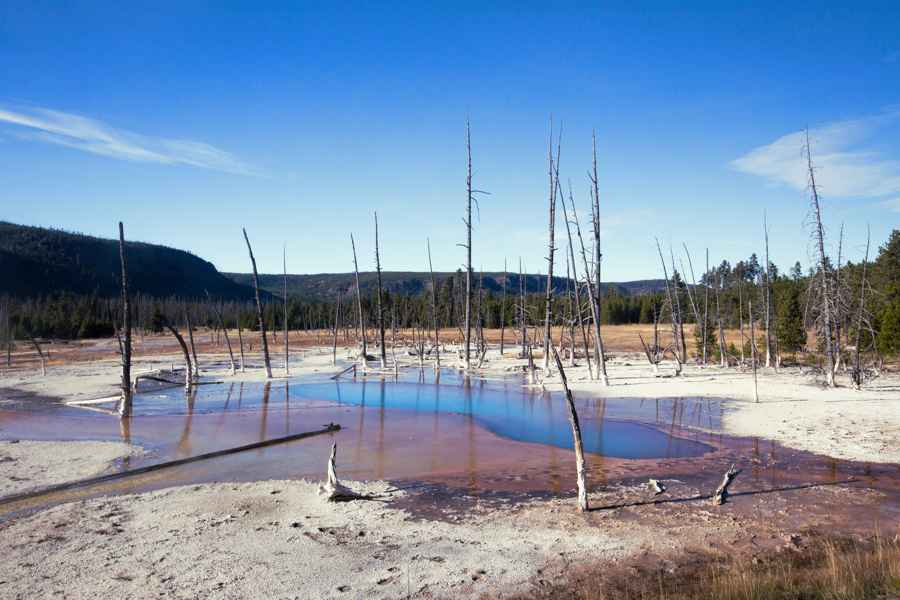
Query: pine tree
x,y
789,329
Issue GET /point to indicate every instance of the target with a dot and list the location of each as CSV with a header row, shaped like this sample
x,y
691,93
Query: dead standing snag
x,y
259,310
127,392
580,468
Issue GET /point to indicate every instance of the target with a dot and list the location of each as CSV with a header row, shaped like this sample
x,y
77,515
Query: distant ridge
x,y
35,261
326,286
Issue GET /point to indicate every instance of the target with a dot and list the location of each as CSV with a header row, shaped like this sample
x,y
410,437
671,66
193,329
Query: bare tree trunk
x,y
857,371
523,322
684,355
580,468
823,268
240,339
838,305
671,304
434,318
125,404
190,328
224,330
598,259
551,248
723,352
287,352
593,300
40,354
503,310
587,354
337,316
706,310
768,297
753,350
741,316
259,310
188,369
362,322
379,298
694,308
468,220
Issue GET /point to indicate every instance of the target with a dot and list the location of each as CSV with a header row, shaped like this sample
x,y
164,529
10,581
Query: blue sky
x,y
298,120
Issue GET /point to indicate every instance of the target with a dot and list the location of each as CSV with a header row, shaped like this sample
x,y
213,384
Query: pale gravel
x,y
26,465
280,539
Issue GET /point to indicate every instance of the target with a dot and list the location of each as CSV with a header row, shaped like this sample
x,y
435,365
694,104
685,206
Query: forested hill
x,y
36,262
327,286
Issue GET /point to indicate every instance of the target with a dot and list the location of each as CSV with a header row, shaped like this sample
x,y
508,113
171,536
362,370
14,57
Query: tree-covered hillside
x,y
35,262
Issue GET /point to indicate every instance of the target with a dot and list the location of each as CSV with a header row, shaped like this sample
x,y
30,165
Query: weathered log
x,y
656,486
333,490
721,495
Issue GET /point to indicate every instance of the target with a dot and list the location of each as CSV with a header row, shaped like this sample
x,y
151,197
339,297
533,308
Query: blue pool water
x,y
613,427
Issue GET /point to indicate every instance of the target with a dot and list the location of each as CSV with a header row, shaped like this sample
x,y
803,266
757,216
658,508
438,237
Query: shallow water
x,y
619,428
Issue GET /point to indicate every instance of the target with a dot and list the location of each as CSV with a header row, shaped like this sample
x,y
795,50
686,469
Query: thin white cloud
x,y
843,169
90,135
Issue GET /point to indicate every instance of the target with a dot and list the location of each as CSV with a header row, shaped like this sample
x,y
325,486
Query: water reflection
x,y
612,427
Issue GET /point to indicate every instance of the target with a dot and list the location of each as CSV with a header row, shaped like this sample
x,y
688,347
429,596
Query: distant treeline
x,y
724,293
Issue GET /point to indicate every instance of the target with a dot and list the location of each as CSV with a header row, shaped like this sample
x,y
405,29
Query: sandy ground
x,y
279,539
25,465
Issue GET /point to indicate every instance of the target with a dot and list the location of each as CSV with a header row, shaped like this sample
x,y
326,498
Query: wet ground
x,y
487,441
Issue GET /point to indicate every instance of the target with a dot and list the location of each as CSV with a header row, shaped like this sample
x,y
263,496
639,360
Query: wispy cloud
x,y
94,136
843,169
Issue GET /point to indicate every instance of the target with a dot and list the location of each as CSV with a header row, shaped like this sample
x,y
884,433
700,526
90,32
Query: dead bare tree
x,y
580,468
434,317
677,307
287,353
188,368
551,248
753,358
40,354
857,370
362,322
503,310
337,317
823,268
380,307
240,340
706,310
190,328
723,352
259,310
593,300
600,355
221,322
468,246
125,403
671,302
767,288
578,312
